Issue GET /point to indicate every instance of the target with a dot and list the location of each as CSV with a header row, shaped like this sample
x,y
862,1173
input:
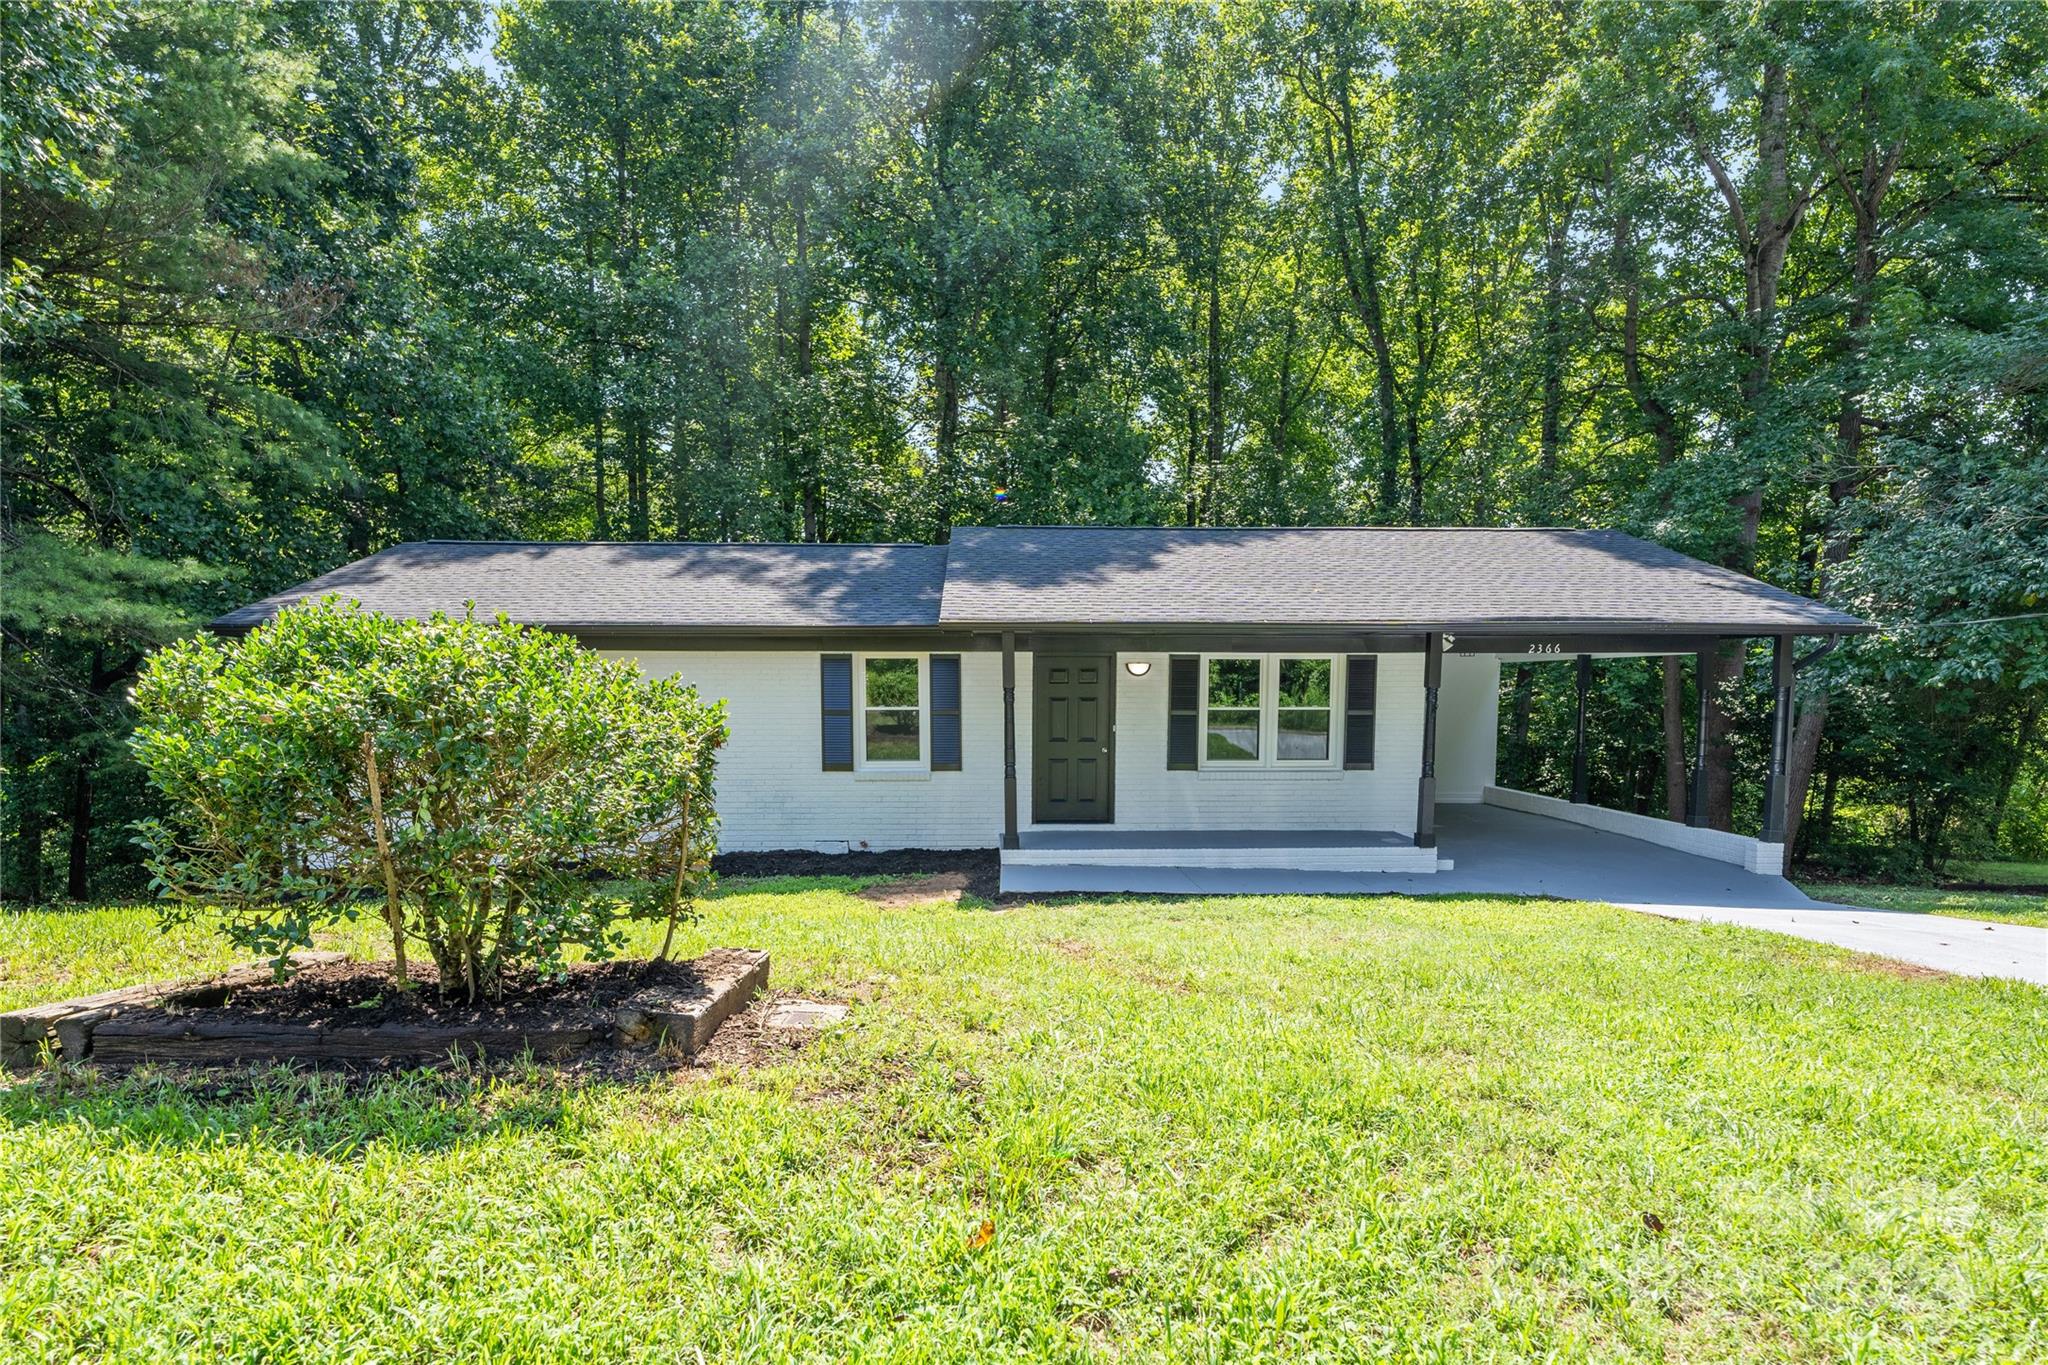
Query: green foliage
x,y
2003,906
1762,282
477,777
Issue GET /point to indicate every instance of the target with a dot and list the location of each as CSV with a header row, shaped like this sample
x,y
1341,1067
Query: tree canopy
x,y
291,280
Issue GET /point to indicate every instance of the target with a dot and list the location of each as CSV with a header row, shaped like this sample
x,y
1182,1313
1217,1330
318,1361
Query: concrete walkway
x,y
1503,852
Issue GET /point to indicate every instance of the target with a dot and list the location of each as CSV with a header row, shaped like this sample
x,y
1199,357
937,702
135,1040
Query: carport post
x,y
1696,808
1425,788
1009,739
1777,788
1585,680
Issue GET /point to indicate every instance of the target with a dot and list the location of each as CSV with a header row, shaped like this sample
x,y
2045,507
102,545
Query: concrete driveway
x,y
1503,852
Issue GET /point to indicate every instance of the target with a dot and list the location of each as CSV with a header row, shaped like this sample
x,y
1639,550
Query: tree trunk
x,y
1212,374
394,913
1359,259
1866,199
1518,720
1717,743
637,502
1656,414
1675,772
28,853
601,517
1275,470
2023,744
1828,787
946,501
1764,231
683,507
1799,764
1551,422
809,466
78,884
1414,468
26,881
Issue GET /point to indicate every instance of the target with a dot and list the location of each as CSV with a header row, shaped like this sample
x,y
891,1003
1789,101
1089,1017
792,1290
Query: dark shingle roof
x,y
1353,576
607,586
1015,576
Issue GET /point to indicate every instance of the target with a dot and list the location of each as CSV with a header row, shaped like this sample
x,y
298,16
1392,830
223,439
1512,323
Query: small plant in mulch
x,y
484,787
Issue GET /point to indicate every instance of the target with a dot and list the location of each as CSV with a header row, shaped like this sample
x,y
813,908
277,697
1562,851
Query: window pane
x,y
892,736
1233,735
1234,682
892,682
1304,735
1304,682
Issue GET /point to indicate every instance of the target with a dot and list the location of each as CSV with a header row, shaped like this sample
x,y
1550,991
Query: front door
x,y
1073,720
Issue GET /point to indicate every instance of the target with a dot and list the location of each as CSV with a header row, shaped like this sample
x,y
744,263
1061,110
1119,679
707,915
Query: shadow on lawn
x,y
333,1111
329,1113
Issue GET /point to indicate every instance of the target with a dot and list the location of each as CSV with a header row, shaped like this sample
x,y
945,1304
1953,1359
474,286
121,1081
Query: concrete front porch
x,y
1064,850
1499,852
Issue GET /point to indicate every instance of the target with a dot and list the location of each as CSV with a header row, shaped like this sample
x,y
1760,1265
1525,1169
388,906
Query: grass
x,y
2001,873
2009,907
1252,1129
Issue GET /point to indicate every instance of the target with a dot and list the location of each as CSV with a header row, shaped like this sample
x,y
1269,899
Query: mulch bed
x,y
982,868
334,1010
352,994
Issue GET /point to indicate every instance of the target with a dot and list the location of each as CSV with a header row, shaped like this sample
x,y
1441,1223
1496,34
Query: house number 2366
x,y
1546,648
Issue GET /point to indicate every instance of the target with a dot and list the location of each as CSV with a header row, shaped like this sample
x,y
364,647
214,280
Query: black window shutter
x,y
1361,699
836,710
946,713
1183,711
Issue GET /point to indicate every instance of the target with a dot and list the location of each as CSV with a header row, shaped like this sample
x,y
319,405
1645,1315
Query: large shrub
x,y
484,787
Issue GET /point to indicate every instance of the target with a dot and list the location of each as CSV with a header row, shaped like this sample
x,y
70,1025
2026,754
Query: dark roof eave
x,y
1563,625
224,626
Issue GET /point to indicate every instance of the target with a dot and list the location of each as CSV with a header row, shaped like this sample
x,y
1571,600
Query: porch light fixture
x,y
1138,668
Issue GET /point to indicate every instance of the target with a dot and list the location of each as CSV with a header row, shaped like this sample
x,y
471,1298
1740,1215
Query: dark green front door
x,y
1073,719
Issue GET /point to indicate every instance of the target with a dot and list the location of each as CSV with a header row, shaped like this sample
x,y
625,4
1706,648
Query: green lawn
x,y
1934,900
2001,873
1279,1129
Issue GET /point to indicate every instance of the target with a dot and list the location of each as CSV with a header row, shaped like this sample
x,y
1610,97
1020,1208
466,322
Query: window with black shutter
x,y
945,686
836,711
1183,711
1361,697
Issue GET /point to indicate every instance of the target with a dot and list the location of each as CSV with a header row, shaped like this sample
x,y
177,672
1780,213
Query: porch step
x,y
1271,850
1202,881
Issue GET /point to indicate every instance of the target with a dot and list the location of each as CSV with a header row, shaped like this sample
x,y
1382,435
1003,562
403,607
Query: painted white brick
x,y
1467,727
1148,796
772,793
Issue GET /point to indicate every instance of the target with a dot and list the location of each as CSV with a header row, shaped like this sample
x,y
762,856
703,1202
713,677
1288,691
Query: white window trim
x,y
1269,760
861,762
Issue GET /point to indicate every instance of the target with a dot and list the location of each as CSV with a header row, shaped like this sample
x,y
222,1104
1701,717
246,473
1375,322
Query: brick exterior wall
x,y
773,795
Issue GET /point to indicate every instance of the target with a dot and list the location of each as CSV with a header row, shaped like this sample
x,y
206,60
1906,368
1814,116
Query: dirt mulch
x,y
945,887
746,1041
366,995
972,872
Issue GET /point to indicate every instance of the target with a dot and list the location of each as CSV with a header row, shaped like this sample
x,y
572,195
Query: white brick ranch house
x,y
1275,698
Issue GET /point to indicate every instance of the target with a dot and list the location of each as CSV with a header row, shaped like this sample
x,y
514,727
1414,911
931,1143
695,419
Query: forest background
x,y
288,281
